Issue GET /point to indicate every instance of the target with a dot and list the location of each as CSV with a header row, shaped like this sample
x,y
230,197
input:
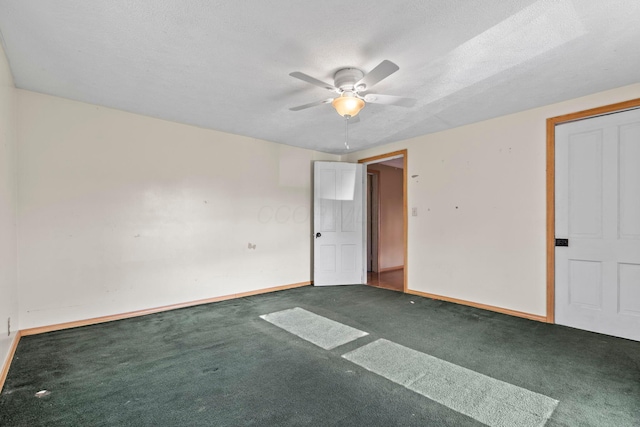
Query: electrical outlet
x,y
414,211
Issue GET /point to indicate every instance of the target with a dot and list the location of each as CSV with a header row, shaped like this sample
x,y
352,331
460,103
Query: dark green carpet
x,y
221,365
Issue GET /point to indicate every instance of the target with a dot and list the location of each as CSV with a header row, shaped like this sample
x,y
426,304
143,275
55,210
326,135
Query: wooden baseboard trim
x,y
7,362
384,270
121,316
478,305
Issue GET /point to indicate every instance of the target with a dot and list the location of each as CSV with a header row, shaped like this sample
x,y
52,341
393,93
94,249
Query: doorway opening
x,y
386,254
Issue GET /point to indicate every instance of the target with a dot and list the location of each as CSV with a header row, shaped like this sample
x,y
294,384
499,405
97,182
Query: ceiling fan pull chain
x,y
346,131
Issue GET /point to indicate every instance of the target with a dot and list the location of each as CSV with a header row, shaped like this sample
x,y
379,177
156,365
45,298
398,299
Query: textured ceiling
x,y
225,64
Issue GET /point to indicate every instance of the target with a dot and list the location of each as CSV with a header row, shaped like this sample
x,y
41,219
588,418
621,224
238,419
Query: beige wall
x,y
120,212
8,203
480,192
391,239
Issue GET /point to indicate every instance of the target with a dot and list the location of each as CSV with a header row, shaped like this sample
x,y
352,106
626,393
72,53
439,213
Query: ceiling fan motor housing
x,y
346,78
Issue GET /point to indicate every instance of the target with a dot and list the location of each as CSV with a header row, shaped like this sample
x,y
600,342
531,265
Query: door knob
x,y
318,235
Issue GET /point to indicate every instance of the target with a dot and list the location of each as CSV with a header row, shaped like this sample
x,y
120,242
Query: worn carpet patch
x,y
488,400
323,332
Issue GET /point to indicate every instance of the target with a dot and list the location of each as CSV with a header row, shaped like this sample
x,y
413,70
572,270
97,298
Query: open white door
x,y
598,224
339,224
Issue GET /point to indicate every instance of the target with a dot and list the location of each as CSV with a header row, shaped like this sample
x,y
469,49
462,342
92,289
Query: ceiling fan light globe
x,y
348,105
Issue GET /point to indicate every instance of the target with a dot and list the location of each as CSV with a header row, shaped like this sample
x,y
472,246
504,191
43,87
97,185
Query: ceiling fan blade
x,y
311,104
374,98
306,78
381,72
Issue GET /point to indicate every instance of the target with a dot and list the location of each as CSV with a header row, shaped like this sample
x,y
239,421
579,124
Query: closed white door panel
x,y
339,224
598,211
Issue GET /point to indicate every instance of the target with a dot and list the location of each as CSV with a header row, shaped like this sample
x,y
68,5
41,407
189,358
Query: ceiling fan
x,y
351,85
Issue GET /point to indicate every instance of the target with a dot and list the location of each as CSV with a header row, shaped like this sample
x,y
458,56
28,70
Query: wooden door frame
x,y
378,159
377,175
551,186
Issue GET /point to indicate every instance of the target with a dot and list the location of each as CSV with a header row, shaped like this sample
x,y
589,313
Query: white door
x,y
339,224
598,211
